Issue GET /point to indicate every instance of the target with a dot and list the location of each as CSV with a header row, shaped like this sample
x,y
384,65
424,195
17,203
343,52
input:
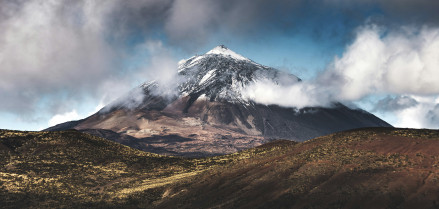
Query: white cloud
x,y
157,64
299,94
72,115
56,55
404,61
399,102
424,115
64,117
401,62
47,47
161,66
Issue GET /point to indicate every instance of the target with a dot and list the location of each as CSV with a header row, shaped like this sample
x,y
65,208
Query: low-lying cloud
x,y
391,104
61,118
297,95
405,61
433,116
159,66
425,114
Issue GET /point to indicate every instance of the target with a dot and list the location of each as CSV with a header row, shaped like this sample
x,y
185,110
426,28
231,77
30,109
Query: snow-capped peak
x,y
223,50
222,74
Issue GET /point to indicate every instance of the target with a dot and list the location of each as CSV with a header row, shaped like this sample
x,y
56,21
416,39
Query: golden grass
x,y
153,183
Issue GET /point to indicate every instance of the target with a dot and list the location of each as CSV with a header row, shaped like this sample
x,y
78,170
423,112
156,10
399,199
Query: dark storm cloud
x,y
391,104
197,20
415,11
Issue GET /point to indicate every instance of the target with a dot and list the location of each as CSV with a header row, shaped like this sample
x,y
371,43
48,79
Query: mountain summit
x,y
221,75
223,50
209,114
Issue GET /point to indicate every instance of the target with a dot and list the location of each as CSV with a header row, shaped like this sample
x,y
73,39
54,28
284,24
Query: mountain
x,y
208,114
364,168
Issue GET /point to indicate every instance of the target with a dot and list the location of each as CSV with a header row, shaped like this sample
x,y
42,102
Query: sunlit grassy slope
x,y
69,168
367,168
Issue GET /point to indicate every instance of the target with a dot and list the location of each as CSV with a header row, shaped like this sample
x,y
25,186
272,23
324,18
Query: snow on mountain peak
x,y
222,74
223,50
219,50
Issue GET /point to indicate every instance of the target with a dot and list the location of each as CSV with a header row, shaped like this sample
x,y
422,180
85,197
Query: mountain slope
x,y
70,169
369,168
211,114
366,168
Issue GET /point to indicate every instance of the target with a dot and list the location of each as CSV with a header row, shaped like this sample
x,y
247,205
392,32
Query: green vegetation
x,y
393,167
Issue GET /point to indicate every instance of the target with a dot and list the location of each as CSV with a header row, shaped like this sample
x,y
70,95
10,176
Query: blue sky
x,y
63,60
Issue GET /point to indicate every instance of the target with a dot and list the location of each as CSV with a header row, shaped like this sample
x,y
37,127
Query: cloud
x,y
424,11
403,61
191,23
390,104
57,54
156,63
298,95
400,11
410,110
197,20
61,118
425,114
46,48
433,117
161,67
192,17
130,100
71,115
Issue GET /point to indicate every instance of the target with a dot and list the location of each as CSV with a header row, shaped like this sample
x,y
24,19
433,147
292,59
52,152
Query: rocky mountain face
x,y
208,114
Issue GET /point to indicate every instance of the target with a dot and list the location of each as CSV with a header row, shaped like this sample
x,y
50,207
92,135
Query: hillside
x,y
70,168
365,168
368,168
